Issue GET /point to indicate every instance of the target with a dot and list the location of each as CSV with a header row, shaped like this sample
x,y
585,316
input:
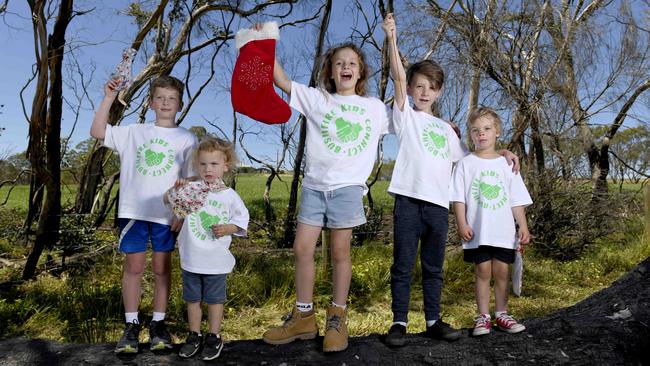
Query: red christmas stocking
x,y
252,92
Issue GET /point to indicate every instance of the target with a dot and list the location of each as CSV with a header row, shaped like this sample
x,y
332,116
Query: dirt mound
x,y
609,328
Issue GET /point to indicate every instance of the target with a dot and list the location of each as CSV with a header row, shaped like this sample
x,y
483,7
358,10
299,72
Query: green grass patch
x,y
84,304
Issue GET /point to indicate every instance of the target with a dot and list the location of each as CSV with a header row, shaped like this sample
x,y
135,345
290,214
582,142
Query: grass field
x,y
83,303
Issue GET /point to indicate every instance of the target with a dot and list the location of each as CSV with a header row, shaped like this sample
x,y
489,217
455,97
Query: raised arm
x,y
280,78
396,68
98,128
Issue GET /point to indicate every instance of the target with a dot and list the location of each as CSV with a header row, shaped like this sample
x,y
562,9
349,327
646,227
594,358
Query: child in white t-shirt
x,y
152,157
488,199
213,212
343,130
427,148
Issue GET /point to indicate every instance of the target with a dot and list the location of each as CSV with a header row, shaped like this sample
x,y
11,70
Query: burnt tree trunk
x,y
45,145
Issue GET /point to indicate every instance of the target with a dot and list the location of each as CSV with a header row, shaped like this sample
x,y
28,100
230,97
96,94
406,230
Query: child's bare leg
x,y
215,315
341,264
483,272
303,251
500,275
132,280
161,265
194,314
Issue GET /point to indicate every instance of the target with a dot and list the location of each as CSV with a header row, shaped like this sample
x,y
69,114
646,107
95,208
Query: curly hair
x,y
212,144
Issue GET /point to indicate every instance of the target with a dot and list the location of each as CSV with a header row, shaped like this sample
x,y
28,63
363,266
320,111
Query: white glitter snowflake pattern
x,y
255,73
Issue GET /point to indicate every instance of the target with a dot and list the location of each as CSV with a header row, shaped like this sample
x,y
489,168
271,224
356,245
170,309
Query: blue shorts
x,y
486,253
135,235
211,288
337,209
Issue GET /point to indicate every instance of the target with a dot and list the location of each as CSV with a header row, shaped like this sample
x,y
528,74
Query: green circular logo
x,y
200,223
346,130
434,140
488,190
154,158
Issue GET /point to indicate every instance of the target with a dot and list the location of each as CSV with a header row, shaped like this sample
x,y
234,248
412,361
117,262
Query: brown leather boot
x,y
297,325
336,330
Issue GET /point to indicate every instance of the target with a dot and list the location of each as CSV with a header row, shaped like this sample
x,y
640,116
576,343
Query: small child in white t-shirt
x,y
213,212
488,197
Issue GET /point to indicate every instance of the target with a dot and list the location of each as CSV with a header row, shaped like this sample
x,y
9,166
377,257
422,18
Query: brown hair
x,y
485,112
429,69
325,78
212,144
170,82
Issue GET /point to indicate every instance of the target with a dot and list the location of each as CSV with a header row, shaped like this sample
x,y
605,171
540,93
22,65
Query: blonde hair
x,y
167,81
325,77
212,144
485,112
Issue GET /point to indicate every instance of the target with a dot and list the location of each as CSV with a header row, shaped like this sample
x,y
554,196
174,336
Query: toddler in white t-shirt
x,y
488,198
212,212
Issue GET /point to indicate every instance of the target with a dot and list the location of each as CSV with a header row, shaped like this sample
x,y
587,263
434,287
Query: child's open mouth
x,y
346,76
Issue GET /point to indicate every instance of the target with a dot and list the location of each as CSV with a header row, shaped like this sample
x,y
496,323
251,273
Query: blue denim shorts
x,y
135,235
209,288
341,208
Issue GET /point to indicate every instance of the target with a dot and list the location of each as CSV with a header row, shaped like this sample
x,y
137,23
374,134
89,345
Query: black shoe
x,y
396,336
130,339
211,347
191,346
159,336
442,330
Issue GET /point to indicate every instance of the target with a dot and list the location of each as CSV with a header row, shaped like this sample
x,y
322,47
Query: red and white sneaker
x,y
507,324
482,325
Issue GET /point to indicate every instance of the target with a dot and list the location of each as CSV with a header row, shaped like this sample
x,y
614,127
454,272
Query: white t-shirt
x,y
427,147
200,251
151,159
342,136
489,189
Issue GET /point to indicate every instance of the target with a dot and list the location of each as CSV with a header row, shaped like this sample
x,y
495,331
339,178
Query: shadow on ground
x,y
612,327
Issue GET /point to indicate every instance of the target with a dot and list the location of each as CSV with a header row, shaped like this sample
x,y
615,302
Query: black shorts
x,y
485,253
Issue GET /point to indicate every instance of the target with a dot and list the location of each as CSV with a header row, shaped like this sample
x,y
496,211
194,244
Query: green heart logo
x,y
490,192
207,221
153,158
438,140
347,131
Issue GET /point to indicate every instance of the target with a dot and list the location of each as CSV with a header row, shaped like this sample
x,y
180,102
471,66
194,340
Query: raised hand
x,y
388,26
111,86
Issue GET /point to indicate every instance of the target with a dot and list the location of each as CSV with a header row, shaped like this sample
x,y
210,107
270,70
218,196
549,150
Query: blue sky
x,y
98,43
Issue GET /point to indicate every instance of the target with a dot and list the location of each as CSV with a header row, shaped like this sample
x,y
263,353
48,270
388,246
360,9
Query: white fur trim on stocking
x,y
269,30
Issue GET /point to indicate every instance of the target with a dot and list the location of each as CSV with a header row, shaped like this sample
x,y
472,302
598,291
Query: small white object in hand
x,y
123,69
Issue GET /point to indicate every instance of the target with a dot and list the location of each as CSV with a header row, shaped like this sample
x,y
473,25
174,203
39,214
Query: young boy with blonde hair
x,y
152,157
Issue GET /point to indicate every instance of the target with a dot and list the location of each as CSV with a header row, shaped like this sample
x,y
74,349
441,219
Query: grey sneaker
x,y
211,347
159,336
129,341
191,346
